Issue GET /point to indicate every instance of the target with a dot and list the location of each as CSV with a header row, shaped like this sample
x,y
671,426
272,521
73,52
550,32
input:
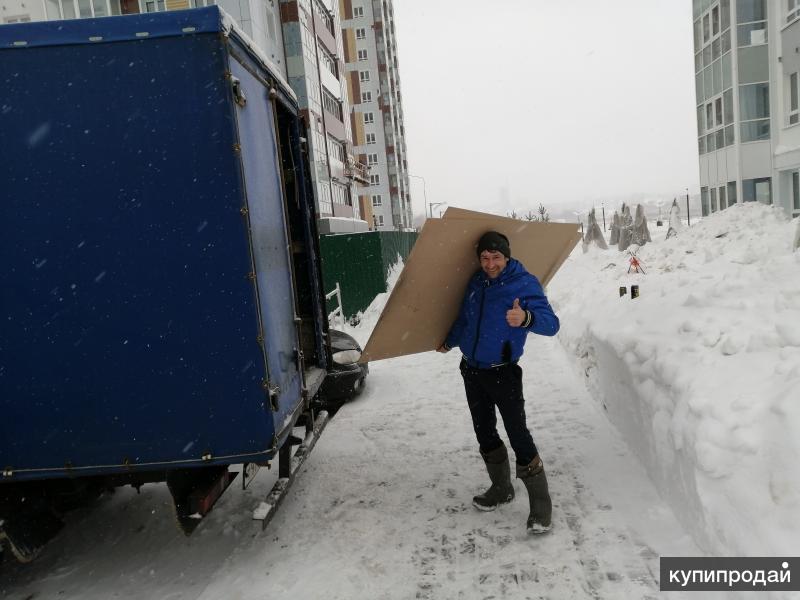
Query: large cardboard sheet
x,y
427,296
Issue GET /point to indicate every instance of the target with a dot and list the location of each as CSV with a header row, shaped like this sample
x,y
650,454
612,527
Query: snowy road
x,y
382,510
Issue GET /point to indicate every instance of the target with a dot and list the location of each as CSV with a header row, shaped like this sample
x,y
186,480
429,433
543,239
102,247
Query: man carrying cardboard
x,y
502,304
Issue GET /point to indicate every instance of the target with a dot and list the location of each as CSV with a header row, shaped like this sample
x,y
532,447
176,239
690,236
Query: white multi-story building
x,y
747,69
370,54
260,19
303,40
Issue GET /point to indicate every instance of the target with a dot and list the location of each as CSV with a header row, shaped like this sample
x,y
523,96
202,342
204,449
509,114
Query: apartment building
x,y
376,115
303,40
747,83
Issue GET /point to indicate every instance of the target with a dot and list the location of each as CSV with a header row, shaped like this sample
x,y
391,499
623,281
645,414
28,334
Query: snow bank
x,y
701,373
369,317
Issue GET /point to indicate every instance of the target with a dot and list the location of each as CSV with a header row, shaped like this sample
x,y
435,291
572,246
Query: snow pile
x,y
367,319
701,372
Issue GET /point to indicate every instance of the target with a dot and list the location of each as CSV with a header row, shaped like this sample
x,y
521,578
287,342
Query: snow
x,y
667,425
701,373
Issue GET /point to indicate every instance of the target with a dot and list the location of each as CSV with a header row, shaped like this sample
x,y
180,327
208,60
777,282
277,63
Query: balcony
x,y
357,171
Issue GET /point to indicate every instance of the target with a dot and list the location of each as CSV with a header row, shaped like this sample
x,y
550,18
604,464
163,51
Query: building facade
x,y
747,67
376,116
303,40
312,39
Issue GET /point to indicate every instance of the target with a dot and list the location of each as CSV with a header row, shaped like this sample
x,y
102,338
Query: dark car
x,y
347,376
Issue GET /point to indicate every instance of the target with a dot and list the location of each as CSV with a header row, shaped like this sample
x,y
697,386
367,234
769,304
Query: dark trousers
x,y
499,387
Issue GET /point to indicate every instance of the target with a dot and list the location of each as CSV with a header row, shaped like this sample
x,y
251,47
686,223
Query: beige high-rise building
x,y
376,109
303,41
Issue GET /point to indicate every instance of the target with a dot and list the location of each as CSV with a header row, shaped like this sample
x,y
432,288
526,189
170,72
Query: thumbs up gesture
x,y
516,316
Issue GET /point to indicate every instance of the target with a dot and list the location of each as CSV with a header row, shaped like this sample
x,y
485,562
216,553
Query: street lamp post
x,y
424,191
688,216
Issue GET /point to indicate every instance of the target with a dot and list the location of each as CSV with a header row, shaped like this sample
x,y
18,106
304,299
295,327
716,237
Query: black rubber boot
x,y
501,490
535,480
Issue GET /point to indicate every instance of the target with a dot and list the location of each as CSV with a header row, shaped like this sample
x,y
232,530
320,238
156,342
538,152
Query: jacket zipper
x,y
480,318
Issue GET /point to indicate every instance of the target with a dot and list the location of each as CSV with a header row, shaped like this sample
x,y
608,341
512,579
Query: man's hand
x,y
443,349
516,316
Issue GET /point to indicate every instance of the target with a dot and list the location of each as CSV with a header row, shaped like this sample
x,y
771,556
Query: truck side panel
x,y
267,218
129,326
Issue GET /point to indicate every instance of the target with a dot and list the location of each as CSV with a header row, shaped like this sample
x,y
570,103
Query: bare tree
x,y
512,215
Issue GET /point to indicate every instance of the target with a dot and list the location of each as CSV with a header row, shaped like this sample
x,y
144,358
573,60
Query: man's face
x,y
493,263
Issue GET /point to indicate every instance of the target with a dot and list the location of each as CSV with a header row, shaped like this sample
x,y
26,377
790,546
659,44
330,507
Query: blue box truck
x,y
161,310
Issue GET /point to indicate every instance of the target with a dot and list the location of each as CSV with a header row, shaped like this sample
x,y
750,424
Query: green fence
x,y
359,262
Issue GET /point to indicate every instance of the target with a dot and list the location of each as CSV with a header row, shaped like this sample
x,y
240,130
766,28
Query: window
x,y
752,34
754,108
715,119
377,200
369,118
752,18
372,159
704,201
70,9
325,204
794,115
339,194
380,220
715,20
714,75
366,97
149,6
731,193
757,190
721,197
336,149
324,16
331,104
362,55
327,59
796,190
363,76
361,33
748,11
713,195
370,138
792,10
374,179
358,12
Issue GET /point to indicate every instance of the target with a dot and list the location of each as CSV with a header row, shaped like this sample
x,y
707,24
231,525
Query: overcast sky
x,y
509,103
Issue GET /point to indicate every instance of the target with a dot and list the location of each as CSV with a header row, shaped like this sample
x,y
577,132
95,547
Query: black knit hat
x,y
494,241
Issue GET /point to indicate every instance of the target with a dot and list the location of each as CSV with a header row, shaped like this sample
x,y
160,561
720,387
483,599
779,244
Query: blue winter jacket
x,y
481,330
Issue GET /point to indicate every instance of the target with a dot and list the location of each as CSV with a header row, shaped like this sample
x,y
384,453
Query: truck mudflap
x,y
195,491
288,466
26,535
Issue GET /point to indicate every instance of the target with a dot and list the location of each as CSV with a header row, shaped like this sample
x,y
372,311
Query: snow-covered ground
x,y
701,373
665,427
382,509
